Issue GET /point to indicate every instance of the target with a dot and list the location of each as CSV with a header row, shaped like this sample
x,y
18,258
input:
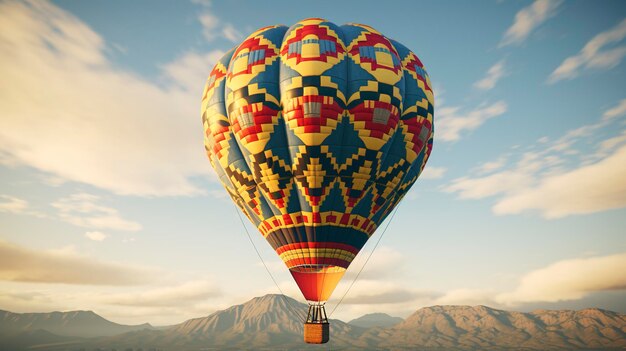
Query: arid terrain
x,y
271,322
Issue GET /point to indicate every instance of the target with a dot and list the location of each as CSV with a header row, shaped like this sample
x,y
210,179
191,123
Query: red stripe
x,y
315,245
317,260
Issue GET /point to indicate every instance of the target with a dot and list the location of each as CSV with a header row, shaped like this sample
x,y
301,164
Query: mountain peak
x,y
72,323
479,327
270,322
479,310
257,314
260,321
273,301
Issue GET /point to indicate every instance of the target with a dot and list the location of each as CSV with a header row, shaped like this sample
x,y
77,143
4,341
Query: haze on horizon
x,y
108,203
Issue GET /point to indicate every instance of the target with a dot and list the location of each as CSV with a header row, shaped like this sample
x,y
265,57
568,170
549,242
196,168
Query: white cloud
x,y
12,204
453,121
494,74
72,114
607,146
231,33
384,262
186,69
83,210
466,296
494,184
433,172
549,180
96,236
15,205
565,143
491,166
379,295
618,110
165,303
209,25
178,295
569,280
587,189
594,54
529,18
65,266
377,292
213,27
206,3
538,183
381,286
22,299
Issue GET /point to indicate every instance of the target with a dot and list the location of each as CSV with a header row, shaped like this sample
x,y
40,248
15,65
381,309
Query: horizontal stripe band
x,y
316,245
328,218
324,234
317,253
320,261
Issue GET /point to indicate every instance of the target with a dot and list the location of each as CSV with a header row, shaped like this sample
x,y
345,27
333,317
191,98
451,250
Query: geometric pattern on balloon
x,y
317,131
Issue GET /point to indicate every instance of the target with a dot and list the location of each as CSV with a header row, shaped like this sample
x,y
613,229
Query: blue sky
x,y
107,201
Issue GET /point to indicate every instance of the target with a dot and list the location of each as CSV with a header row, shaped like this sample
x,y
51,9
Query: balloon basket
x,y
316,327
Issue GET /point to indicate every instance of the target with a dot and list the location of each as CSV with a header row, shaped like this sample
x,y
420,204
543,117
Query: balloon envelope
x,y
317,131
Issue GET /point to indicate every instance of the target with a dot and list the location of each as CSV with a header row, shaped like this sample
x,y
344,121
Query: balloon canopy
x,y
317,131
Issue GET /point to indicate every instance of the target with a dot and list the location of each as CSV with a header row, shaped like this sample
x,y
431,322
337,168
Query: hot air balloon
x,y
316,132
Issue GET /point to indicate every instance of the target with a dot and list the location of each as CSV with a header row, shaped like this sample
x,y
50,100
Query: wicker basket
x,y
316,333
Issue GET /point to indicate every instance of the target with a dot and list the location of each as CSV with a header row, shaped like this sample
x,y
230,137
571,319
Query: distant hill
x,y
272,322
480,327
35,339
74,323
264,322
376,320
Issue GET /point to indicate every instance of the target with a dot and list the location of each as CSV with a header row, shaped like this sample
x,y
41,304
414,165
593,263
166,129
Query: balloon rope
x,y
287,302
364,264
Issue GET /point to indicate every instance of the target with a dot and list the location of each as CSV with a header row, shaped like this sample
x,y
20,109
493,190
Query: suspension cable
x,y
287,302
364,264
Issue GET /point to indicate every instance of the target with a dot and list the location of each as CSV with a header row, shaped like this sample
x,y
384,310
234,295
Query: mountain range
x,y
274,322
24,330
74,323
